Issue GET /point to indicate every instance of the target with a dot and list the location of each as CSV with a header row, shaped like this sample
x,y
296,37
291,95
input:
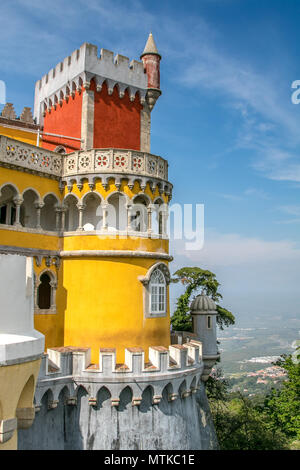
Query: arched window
x,y
157,292
45,293
7,205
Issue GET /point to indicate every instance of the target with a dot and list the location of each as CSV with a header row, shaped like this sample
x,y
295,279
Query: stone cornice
x,y
115,253
83,253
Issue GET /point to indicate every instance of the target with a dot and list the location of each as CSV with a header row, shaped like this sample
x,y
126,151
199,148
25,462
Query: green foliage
x,y
283,406
240,424
193,279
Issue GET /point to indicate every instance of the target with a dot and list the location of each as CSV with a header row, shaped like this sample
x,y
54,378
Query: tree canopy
x,y
283,406
194,279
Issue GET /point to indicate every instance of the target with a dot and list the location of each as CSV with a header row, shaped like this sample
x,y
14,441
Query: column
x,y
57,213
165,214
104,206
129,208
149,213
38,206
18,202
81,208
63,218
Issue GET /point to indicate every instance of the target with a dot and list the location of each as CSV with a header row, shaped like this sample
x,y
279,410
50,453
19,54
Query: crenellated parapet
x,y
77,70
130,406
71,367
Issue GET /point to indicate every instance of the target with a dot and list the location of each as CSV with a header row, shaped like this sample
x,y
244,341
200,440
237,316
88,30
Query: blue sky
x,y
225,120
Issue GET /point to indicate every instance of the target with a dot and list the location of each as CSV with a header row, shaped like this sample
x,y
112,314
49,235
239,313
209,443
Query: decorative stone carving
x,y
26,116
27,156
8,111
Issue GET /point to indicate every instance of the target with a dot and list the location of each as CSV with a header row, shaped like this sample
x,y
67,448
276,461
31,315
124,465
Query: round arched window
x,y
157,292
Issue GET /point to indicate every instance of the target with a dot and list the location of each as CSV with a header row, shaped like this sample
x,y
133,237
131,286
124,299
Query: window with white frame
x,y
158,292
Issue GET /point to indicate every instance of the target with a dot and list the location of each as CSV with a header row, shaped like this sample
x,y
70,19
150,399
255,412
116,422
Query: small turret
x,y
204,314
151,61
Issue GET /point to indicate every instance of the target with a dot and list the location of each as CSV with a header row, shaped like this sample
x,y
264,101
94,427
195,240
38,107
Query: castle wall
x,y
64,120
184,424
134,408
123,113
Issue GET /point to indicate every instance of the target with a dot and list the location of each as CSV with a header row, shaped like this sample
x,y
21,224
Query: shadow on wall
x,y
85,423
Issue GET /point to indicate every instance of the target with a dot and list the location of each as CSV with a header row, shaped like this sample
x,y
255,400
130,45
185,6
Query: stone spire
x,y
150,47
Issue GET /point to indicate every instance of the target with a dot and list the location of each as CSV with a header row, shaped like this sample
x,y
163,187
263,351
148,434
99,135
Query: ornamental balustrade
x,y
20,154
115,161
95,161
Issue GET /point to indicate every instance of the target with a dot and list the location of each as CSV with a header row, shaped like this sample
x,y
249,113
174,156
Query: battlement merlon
x,y
80,67
72,361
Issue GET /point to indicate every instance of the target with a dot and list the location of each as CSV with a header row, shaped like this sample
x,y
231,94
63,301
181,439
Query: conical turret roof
x,y
150,47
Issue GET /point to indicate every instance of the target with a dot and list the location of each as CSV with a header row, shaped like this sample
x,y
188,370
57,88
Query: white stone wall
x,y
18,338
133,408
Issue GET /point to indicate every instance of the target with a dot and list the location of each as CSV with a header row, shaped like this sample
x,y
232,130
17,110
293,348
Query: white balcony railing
x,y
94,161
115,161
16,153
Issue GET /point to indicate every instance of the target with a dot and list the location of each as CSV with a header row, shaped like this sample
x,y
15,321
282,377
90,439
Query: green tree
x,y
239,423
283,405
193,279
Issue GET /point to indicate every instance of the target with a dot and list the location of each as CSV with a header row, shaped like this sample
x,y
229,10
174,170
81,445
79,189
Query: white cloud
x,y
235,250
256,276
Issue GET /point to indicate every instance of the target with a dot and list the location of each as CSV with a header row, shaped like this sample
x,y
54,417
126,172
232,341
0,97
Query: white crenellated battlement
x,y
83,65
71,361
177,370
79,405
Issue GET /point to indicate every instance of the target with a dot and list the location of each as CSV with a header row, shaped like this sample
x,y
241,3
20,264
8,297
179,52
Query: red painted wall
x,y
64,120
117,121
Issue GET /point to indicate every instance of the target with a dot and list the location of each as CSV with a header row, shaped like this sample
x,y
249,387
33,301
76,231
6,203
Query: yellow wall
x,y
104,306
19,134
23,180
14,393
51,325
99,300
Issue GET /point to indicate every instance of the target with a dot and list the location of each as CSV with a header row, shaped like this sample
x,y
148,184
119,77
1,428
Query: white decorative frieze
x,y
16,153
115,161
95,163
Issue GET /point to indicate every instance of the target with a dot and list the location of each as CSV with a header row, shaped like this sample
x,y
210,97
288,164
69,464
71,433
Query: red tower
x,y
88,101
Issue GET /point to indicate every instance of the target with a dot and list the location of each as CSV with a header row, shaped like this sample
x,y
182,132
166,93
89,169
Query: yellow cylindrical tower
x,y
108,295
